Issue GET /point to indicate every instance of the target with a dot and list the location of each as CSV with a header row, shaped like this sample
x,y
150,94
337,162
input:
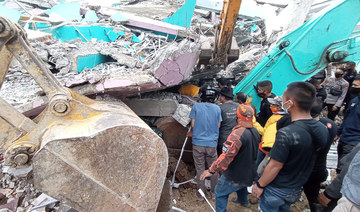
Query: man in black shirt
x,y
319,172
264,91
228,114
293,155
320,91
349,75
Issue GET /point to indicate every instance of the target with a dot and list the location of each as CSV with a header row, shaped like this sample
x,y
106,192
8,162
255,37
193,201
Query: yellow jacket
x,y
268,138
257,126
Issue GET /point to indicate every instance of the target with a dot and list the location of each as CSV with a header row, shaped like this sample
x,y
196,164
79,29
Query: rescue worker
x,y
336,89
349,75
319,172
349,131
242,98
293,155
205,123
269,132
237,161
264,91
228,115
320,91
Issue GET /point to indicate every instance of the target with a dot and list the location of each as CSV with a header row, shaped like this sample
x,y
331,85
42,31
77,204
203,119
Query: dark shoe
x,y
234,199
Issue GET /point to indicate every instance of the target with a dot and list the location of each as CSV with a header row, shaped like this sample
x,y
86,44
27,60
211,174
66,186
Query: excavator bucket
x,y
100,157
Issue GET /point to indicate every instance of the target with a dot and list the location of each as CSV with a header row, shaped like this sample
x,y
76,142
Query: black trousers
x,y
342,150
312,186
331,114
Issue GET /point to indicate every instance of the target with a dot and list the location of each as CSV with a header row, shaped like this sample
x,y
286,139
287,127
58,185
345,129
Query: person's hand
x,y
323,200
334,108
189,134
335,139
205,174
256,191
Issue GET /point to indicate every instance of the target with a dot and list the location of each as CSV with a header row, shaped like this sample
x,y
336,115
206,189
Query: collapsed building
x,y
115,51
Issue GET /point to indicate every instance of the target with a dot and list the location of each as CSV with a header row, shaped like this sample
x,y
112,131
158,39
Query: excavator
x,y
100,156
328,37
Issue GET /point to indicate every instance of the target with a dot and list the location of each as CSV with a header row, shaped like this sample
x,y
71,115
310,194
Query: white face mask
x,y
286,109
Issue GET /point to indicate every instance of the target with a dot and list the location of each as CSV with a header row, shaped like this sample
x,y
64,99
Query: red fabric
x,y
232,146
261,149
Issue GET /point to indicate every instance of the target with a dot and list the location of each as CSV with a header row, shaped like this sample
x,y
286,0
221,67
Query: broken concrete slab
x,y
203,13
176,63
119,18
154,107
182,114
158,26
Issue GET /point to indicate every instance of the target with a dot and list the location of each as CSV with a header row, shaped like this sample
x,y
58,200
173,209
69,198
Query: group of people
x,y
334,90
279,151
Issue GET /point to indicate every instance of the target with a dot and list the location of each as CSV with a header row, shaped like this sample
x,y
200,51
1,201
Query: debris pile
x,y
95,49
18,194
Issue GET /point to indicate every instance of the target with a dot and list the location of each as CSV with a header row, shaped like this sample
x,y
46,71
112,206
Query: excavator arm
x,y
229,15
91,155
328,37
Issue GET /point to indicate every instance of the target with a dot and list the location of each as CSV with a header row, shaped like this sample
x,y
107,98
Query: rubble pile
x,y
96,47
18,194
126,57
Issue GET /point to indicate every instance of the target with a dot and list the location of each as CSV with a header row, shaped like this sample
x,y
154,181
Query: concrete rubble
x,y
129,61
111,50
